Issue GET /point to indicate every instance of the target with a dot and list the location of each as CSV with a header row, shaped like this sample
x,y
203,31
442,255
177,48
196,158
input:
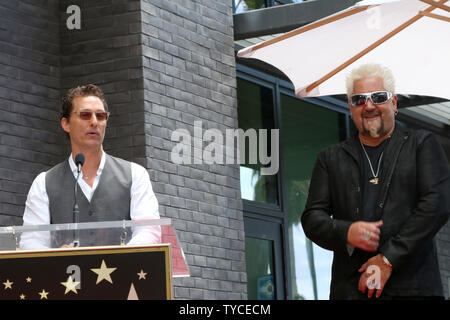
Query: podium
x,y
109,260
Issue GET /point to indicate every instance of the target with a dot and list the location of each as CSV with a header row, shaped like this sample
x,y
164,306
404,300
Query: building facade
x,y
167,67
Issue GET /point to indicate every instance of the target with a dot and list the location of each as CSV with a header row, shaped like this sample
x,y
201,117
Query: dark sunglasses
x,y
87,115
378,97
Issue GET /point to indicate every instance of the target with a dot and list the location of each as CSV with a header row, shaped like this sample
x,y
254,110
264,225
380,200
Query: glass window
x,y
255,112
240,6
260,269
306,129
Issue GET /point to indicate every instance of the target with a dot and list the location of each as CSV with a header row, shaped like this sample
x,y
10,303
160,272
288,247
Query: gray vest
x,y
110,201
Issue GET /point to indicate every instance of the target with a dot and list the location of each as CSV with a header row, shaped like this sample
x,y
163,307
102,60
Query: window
x,y
281,261
255,112
306,129
260,269
240,6
264,262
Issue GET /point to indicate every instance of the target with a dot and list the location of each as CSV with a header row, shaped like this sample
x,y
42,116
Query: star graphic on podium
x,y
70,285
142,275
43,294
8,284
104,273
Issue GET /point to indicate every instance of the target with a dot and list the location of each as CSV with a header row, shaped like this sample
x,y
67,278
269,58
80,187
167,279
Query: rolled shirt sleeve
x,y
143,206
36,213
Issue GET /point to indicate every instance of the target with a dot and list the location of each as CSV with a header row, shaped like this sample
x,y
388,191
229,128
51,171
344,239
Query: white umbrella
x,y
410,37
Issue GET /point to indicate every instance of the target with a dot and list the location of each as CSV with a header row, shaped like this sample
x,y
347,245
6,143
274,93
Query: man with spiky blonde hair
x,y
379,198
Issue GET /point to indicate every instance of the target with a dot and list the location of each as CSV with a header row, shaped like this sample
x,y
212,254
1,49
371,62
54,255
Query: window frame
x,y
270,213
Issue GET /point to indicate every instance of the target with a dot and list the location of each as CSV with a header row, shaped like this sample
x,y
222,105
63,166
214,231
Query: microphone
x,y
79,161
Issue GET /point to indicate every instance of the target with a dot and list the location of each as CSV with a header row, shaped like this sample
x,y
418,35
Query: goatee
x,y
374,127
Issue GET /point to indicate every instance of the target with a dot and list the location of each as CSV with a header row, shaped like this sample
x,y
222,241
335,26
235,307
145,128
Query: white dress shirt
x,y
143,205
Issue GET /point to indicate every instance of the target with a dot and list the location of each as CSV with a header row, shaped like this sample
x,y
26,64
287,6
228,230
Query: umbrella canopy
x,y
410,37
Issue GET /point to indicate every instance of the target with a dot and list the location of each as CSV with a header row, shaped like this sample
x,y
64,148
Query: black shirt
x,y
369,190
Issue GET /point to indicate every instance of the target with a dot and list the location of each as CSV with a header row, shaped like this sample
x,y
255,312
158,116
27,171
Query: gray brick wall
x,y
29,99
107,51
189,75
162,65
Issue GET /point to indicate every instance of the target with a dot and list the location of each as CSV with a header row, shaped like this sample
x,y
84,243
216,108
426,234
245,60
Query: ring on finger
x,y
367,235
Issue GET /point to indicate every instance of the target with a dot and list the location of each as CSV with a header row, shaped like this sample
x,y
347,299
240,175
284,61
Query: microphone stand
x,y
76,212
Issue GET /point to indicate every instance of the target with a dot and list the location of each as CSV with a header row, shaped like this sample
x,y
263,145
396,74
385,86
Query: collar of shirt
x,y
87,189
73,167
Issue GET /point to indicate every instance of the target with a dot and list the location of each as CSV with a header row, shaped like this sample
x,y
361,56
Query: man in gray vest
x,y
112,188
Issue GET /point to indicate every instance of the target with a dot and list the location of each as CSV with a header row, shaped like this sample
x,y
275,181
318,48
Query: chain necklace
x,y
375,176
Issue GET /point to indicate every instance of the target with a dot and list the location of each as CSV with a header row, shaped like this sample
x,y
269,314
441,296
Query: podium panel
x,y
113,273
90,260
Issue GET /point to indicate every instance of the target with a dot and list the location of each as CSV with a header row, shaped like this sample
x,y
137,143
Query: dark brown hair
x,y
80,91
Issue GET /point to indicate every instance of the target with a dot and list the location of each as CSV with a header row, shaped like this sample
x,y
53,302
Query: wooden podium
x,y
112,263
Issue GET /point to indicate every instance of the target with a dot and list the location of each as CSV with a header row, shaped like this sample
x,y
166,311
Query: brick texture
x,y
107,51
189,75
29,99
162,65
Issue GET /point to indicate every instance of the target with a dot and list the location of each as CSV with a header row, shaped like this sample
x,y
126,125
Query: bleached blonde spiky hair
x,y
368,71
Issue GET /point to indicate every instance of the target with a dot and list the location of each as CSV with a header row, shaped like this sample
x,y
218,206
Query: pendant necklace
x,y
85,177
375,176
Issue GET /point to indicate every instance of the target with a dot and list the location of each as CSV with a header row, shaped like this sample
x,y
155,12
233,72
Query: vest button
x,y
91,212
